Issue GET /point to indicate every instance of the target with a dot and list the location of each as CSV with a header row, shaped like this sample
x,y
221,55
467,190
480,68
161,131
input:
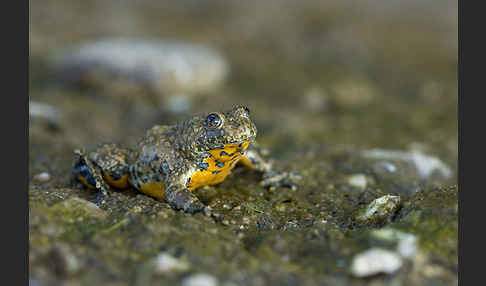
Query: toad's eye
x,y
246,112
214,120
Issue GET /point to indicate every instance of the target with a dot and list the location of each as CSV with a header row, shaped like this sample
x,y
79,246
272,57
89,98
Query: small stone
x,y
226,207
387,166
42,112
406,243
407,246
42,177
426,165
166,263
381,209
375,261
358,181
200,279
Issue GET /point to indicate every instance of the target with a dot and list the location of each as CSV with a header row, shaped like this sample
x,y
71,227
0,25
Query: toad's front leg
x,y
180,198
255,159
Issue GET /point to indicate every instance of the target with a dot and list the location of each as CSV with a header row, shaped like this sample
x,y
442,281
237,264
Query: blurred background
x,y
368,73
315,74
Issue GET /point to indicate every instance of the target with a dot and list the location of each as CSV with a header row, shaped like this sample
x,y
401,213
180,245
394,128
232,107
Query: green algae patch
x,y
432,216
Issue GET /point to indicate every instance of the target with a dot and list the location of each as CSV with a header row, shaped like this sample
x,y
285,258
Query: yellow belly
x,y
154,189
220,164
121,183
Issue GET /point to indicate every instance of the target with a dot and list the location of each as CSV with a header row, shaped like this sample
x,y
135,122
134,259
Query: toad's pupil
x,y
214,120
247,111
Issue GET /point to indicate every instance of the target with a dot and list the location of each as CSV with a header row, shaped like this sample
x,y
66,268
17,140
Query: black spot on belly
x,y
223,153
232,163
220,164
216,172
203,166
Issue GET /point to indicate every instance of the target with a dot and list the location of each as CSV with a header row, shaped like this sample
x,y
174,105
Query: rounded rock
x,y
200,279
381,209
375,261
163,66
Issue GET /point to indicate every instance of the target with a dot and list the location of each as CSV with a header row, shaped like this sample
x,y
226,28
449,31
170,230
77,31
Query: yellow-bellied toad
x,y
171,161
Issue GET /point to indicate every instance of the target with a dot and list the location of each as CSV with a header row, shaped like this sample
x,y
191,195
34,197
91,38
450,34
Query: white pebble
x,y
358,181
42,177
406,242
200,279
165,263
375,261
407,245
389,167
426,165
43,111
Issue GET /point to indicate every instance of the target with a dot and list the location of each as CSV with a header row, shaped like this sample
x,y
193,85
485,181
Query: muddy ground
x,y
360,99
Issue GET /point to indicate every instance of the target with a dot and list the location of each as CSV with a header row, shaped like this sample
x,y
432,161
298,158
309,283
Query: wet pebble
x,y
42,177
406,242
375,261
425,165
44,113
380,210
166,263
200,279
385,166
358,181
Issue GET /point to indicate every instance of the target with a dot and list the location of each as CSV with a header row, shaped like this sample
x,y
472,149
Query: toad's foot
x,y
182,199
88,174
256,159
273,179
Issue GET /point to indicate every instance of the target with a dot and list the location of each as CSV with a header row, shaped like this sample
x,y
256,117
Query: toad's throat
x,y
217,166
